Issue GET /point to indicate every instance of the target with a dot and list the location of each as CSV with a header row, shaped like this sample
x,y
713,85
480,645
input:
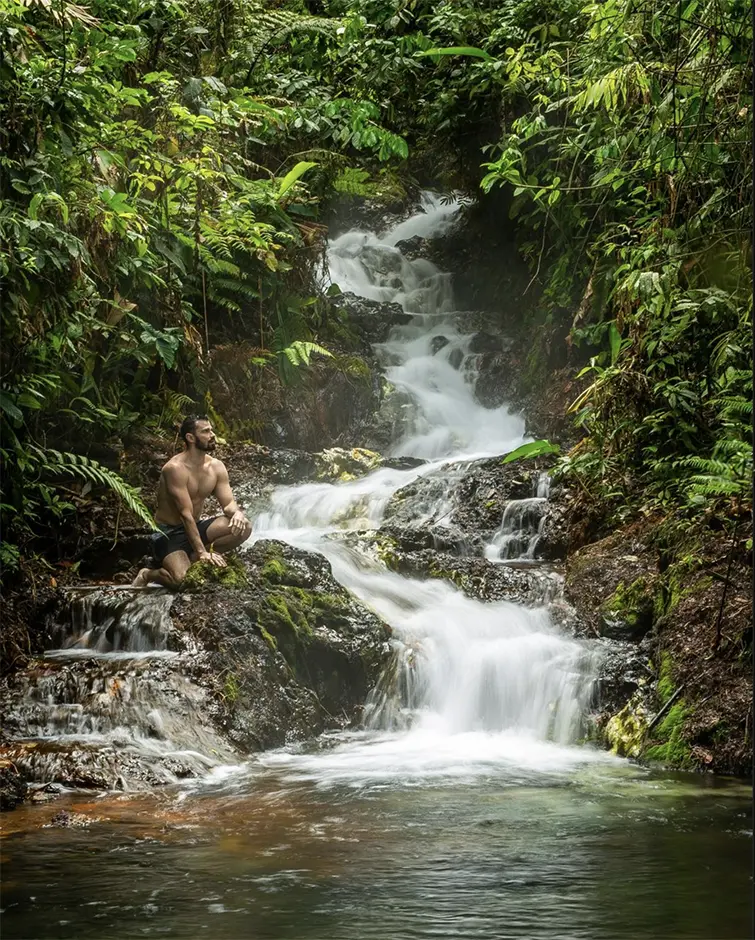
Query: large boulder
x,y
298,651
462,507
322,404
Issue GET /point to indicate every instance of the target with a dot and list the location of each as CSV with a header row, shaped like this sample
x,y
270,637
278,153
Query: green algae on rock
x,y
625,731
629,611
342,465
204,574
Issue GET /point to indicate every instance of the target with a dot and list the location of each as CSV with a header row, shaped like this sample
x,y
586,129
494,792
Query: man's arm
x,y
176,483
228,504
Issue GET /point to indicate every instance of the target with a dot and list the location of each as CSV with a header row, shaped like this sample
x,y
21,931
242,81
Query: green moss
x,y
679,581
665,687
291,614
356,367
625,731
672,748
204,573
449,574
268,637
387,549
286,613
274,569
231,688
337,463
633,604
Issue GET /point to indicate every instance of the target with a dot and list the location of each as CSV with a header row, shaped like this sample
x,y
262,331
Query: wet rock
x,y
625,731
437,343
412,248
476,577
255,470
483,342
553,544
45,793
389,421
463,504
320,405
297,652
623,672
13,786
68,820
456,358
340,465
373,319
97,722
496,381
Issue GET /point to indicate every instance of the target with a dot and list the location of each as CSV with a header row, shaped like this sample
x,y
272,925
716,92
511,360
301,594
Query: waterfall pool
x,y
282,849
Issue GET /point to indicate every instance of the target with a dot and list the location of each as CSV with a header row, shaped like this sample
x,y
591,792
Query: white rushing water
x,y
474,686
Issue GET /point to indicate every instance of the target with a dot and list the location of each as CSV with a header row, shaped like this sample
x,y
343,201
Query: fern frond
x,y
55,462
300,352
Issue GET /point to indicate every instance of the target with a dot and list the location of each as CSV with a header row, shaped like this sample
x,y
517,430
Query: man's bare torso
x,y
200,482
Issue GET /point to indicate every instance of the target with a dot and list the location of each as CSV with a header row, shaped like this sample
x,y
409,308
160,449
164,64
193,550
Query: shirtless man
x,y
186,481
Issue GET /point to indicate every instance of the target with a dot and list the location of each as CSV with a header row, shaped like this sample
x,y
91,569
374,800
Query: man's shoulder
x,y
174,467
217,465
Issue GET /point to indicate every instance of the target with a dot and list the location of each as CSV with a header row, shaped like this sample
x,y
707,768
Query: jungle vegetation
x,y
164,167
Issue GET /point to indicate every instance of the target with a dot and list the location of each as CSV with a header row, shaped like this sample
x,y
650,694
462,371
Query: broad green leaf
x,y
34,205
459,50
533,449
292,176
10,408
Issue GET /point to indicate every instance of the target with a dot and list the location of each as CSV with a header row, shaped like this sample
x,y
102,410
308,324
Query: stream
x,y
468,805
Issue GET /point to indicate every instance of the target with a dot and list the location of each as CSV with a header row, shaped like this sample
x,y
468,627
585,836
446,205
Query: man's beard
x,y
207,448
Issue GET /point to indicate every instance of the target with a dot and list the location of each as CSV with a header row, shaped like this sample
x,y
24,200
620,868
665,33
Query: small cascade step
x,y
111,705
106,621
521,527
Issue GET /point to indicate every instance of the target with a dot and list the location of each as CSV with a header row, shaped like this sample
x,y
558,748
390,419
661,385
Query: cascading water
x,y
442,417
521,527
472,683
110,705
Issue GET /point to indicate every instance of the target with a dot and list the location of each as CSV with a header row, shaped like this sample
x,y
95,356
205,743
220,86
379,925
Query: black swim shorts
x,y
173,538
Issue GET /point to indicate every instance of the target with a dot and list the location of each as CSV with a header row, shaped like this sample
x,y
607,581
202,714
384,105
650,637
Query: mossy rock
x,y
387,549
343,465
629,612
625,731
203,574
665,687
290,615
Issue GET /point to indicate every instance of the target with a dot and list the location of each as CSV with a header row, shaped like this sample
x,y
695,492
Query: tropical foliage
x,y
163,165
161,172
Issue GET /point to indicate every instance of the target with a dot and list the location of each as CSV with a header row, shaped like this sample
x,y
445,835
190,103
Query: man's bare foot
x,y
142,579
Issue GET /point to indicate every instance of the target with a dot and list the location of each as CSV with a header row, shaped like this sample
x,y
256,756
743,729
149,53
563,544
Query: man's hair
x,y
189,425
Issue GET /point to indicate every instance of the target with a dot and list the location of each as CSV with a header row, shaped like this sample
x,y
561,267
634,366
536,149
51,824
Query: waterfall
x,y
470,681
442,418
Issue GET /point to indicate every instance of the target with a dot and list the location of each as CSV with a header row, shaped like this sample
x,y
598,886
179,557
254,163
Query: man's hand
x,y
238,522
213,558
